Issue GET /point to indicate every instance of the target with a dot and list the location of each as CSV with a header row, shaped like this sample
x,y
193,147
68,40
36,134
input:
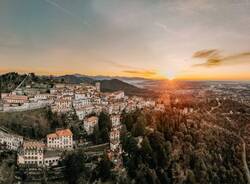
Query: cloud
x,y
213,57
141,72
66,11
117,64
206,53
165,28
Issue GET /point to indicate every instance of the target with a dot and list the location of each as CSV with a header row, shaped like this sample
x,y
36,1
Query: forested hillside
x,y
179,150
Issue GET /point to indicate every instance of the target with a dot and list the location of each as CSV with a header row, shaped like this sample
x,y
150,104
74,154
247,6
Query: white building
x,y
62,106
40,97
114,134
31,153
61,139
114,145
84,111
118,95
98,86
78,104
11,141
80,96
116,120
90,123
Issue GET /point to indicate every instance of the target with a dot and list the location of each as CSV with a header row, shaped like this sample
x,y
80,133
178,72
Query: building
x,y
98,86
62,106
116,120
118,95
61,139
114,145
84,111
31,153
90,123
15,99
40,97
11,141
114,134
51,158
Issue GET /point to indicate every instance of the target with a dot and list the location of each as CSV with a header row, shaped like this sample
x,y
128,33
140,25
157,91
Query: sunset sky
x,y
184,39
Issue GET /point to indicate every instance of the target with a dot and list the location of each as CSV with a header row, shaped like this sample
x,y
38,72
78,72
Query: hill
x,y
115,85
10,81
74,79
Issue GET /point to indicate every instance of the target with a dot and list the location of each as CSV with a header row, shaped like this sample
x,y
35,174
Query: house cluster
x,y
83,99
38,153
87,102
45,154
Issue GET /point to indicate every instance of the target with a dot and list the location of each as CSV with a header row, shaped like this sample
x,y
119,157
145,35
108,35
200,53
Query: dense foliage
x,y
9,81
179,151
36,124
74,167
101,131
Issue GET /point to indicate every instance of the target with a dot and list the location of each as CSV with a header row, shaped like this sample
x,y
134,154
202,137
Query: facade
x,y
62,106
61,139
90,123
114,134
80,96
115,119
15,99
85,111
31,153
98,87
11,141
118,95
40,97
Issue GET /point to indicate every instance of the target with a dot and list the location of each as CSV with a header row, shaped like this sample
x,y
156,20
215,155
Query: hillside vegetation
x,y
33,124
36,124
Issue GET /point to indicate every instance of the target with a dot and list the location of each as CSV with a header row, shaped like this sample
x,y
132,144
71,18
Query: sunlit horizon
x,y
191,40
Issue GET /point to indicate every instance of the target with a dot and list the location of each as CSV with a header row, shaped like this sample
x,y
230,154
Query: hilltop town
x,y
84,101
76,133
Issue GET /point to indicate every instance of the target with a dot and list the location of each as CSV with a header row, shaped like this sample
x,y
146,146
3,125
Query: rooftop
x,y
33,144
92,119
60,133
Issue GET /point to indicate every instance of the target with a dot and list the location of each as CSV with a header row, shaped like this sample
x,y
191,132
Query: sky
x,y
182,39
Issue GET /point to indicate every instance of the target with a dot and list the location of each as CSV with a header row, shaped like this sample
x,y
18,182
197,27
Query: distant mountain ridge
x,y
75,79
107,85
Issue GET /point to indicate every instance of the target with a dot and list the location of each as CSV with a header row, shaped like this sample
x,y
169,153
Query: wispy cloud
x,y
65,10
144,73
213,57
206,53
165,28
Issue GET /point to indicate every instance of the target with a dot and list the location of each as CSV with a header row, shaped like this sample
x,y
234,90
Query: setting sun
x,y
170,75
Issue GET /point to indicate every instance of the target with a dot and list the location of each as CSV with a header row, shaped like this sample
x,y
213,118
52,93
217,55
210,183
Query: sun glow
x,y
170,75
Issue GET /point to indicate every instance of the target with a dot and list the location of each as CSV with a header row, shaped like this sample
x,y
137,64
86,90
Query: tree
x,y
104,168
104,121
104,125
74,166
191,177
128,121
96,135
146,147
139,127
